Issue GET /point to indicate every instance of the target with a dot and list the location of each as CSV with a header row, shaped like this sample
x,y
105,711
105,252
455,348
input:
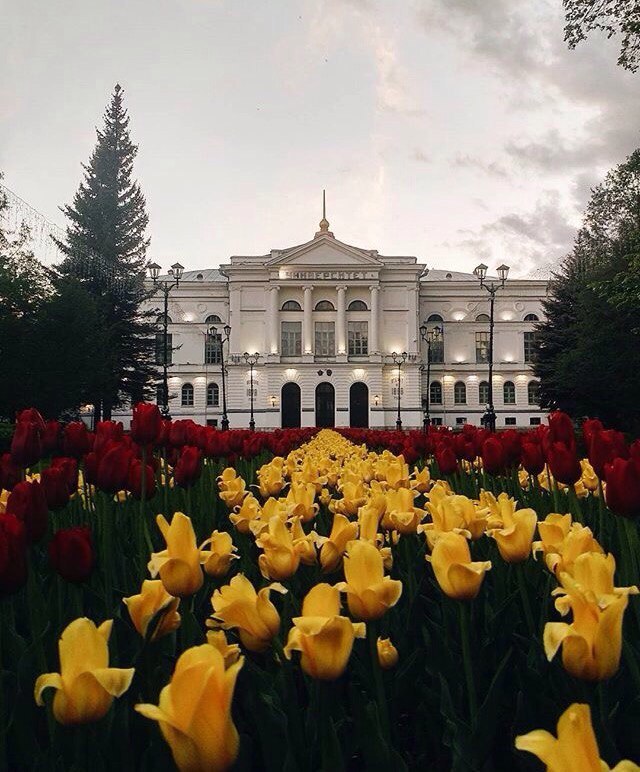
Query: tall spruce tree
x,y
105,250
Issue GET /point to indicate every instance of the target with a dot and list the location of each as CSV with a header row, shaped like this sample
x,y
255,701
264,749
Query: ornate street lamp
x,y
221,340
429,336
165,286
251,360
399,360
489,418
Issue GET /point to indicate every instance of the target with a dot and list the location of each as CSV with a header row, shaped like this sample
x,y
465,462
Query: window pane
x,y
213,395
437,352
509,393
460,393
160,348
530,341
435,393
483,392
187,395
291,339
533,392
325,339
358,338
482,347
213,349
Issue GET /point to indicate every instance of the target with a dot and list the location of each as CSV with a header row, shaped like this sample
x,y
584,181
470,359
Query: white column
x,y
341,320
412,319
373,326
274,312
307,332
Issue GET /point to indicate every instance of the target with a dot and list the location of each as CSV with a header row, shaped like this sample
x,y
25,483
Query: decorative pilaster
x,y
307,331
341,320
274,313
374,346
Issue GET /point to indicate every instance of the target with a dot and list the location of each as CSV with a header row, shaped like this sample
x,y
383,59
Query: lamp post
x,y
489,418
251,360
165,286
222,339
429,336
399,360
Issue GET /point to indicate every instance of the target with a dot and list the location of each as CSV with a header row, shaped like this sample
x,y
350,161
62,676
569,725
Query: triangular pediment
x,y
325,251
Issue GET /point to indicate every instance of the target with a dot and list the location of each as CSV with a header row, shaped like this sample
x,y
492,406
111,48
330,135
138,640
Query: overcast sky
x,y
458,131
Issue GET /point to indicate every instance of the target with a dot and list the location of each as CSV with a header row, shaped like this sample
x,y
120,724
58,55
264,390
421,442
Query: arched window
x,y
509,393
460,393
213,395
324,305
531,318
160,319
187,395
482,318
435,393
533,392
483,392
291,305
213,319
435,318
357,305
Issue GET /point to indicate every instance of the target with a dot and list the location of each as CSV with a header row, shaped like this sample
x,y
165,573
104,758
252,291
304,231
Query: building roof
x,y
436,274
204,274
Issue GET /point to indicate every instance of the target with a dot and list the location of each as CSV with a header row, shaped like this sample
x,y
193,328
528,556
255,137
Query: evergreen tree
x,y
105,250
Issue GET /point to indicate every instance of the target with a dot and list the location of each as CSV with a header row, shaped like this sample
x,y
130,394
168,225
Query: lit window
x,y
213,395
483,392
530,345
460,393
533,392
482,347
291,339
187,395
358,334
325,339
435,393
509,392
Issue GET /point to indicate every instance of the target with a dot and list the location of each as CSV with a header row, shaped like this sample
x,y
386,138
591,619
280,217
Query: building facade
x,y
326,319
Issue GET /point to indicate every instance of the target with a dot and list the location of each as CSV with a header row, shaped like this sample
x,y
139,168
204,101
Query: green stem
x,y
381,699
524,596
296,730
464,611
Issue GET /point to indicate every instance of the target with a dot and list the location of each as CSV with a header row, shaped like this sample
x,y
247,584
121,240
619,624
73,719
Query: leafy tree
x,y
588,358
105,250
614,17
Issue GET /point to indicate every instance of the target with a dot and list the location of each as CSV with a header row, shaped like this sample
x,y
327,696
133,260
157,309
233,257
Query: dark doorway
x,y
325,404
290,401
359,405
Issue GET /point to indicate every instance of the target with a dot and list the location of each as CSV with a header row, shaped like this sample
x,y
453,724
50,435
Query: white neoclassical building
x,y
326,318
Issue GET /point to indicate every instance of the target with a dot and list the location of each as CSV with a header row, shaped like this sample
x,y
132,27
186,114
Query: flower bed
x,y
181,596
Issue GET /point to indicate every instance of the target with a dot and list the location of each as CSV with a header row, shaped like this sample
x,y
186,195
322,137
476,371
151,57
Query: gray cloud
x,y
492,168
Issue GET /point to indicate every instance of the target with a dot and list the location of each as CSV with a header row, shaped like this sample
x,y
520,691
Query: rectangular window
x,y
460,421
213,349
291,339
325,339
534,420
530,342
160,348
437,352
358,333
482,347
436,421
510,421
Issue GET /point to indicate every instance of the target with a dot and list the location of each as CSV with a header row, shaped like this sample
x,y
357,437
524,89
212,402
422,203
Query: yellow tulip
x,y
86,685
457,575
515,534
246,513
421,479
400,514
304,543
368,522
153,604
589,478
195,711
591,644
325,497
179,564
561,556
270,480
301,501
271,508
217,559
238,605
575,749
332,548
280,557
455,513
396,473
229,651
387,653
369,592
324,638
354,496
232,488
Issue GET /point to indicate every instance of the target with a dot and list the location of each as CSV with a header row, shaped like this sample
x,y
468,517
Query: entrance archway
x,y
359,405
290,405
325,405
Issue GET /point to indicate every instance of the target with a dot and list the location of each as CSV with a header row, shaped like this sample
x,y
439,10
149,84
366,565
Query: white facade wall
x,y
248,293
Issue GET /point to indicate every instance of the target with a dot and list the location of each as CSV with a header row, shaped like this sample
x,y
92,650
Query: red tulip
x,y
55,484
71,553
26,444
591,426
107,433
70,468
10,474
604,446
563,463
146,423
446,460
113,469
493,456
177,432
532,458
28,503
76,440
561,429
13,554
134,483
31,415
51,438
511,442
188,467
622,492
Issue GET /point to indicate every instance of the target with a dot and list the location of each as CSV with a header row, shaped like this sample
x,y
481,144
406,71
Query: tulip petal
x,y
114,680
539,742
46,681
83,647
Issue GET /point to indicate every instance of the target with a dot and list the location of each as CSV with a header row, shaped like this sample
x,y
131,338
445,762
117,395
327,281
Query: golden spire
x,y
324,223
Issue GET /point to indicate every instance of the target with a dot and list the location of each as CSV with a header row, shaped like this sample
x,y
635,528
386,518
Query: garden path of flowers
x,y
181,597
